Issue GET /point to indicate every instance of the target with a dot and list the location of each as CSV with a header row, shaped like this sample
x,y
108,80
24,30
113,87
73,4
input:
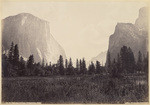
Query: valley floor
x,y
75,89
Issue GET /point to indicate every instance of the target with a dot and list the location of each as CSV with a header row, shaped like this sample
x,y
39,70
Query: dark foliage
x,y
117,82
13,65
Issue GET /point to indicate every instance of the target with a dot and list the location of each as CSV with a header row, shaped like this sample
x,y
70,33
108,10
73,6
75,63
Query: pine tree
x,y
139,57
22,63
16,56
114,71
91,68
21,67
11,52
118,64
43,63
145,64
61,65
98,68
139,62
124,58
127,60
4,65
30,62
108,62
70,68
83,66
131,61
66,63
46,65
50,64
77,66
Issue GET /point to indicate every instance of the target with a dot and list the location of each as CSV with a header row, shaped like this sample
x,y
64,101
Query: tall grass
x,y
76,89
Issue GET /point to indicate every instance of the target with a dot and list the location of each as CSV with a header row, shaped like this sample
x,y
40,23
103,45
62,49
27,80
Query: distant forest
x,y
13,65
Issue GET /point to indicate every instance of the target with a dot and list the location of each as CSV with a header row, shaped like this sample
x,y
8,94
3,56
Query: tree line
x,y
14,65
126,63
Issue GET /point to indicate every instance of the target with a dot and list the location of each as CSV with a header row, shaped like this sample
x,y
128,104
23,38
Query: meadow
x,y
75,89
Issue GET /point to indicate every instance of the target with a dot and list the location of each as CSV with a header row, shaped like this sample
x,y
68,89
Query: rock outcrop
x,y
32,36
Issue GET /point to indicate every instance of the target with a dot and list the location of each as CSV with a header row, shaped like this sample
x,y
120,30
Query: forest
x,y
121,80
13,65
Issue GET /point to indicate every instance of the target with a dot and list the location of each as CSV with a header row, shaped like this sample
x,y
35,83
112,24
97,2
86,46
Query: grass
x,y
70,89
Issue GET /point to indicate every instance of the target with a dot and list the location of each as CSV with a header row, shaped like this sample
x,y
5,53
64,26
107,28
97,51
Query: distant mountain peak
x,y
100,57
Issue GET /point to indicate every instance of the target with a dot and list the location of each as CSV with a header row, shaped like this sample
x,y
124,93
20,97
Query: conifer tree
x,y
43,63
127,60
145,64
21,71
61,65
30,62
50,64
91,68
98,68
83,66
118,63
70,67
80,66
124,58
66,63
22,63
139,61
108,62
131,61
11,52
16,56
77,66
114,71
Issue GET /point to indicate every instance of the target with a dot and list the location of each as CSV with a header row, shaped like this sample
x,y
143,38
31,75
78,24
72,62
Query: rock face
x,y
142,22
32,36
134,36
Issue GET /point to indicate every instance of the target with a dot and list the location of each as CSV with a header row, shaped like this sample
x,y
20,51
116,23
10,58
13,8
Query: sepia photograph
x,y
74,52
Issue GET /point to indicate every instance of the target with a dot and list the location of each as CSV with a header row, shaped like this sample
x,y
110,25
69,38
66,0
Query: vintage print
x,y
75,52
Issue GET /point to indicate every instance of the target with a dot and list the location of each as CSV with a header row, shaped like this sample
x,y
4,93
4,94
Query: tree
x,y
16,56
98,67
124,55
82,66
22,63
139,57
145,64
114,72
70,70
131,61
30,62
61,65
50,64
127,60
77,66
108,62
139,61
66,63
4,66
91,68
43,63
118,64
11,52
21,71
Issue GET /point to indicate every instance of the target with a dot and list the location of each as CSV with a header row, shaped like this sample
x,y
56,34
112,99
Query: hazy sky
x,y
81,28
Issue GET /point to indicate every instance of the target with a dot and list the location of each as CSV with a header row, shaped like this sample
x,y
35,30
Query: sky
x,y
81,28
